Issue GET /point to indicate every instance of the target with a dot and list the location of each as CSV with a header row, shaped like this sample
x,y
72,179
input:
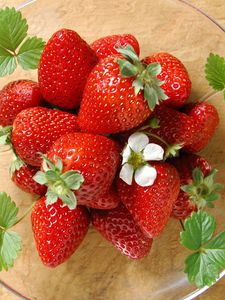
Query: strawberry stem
x,y
25,214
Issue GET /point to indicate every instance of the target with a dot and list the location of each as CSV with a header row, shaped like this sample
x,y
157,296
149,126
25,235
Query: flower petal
x,y
137,141
153,152
145,176
126,154
126,173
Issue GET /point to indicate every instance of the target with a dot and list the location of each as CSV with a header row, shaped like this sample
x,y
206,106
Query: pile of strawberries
x,y
92,136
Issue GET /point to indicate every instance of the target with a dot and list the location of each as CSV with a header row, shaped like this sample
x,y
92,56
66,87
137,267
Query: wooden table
x,y
216,10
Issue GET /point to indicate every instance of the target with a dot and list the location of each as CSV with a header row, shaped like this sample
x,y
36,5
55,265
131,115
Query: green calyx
x,y
16,164
136,160
60,185
203,191
5,135
173,150
145,76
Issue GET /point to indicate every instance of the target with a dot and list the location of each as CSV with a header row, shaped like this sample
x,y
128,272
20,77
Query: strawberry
x,y
177,84
113,100
151,206
206,118
174,127
81,167
64,67
23,178
35,129
197,185
108,45
119,228
58,231
17,96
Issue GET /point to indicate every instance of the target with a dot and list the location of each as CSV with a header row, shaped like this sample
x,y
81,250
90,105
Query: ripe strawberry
x,y
58,231
151,206
113,100
119,228
108,45
23,178
35,129
177,84
17,96
197,185
64,67
206,118
81,166
174,127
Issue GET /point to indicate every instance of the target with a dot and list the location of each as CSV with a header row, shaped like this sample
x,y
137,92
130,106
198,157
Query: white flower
x,y
135,155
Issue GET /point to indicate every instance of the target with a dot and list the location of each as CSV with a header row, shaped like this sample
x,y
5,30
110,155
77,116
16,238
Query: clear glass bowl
x,y
97,271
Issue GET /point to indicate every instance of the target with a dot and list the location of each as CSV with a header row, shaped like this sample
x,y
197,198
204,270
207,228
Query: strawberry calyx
x,y
203,191
60,185
145,76
16,163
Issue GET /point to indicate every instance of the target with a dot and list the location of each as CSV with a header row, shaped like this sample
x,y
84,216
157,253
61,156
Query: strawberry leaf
x,y
203,266
7,63
30,52
10,242
215,71
13,28
16,164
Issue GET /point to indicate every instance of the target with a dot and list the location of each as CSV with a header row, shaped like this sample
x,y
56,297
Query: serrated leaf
x,y
199,228
10,245
13,28
154,69
30,52
201,270
7,63
215,71
215,250
8,211
127,69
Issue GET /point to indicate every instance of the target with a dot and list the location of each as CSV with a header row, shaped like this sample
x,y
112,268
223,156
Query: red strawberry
x,y
197,185
174,127
84,165
108,45
58,231
177,84
35,129
23,178
17,96
113,100
151,206
119,228
206,119
64,67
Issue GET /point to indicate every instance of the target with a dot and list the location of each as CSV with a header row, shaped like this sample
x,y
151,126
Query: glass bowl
x,y
97,271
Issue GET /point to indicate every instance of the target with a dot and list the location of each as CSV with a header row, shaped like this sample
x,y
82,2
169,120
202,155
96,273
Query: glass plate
x,y
97,271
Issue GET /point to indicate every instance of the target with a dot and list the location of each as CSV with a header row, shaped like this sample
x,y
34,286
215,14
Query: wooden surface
x,y
97,271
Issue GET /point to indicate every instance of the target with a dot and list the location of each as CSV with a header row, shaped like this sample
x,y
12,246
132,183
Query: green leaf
x,y
70,200
73,179
173,150
215,250
197,176
128,52
138,85
10,245
51,176
51,197
8,211
7,63
201,270
199,228
30,53
151,96
5,135
154,69
40,178
16,164
13,28
154,123
127,69
215,71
